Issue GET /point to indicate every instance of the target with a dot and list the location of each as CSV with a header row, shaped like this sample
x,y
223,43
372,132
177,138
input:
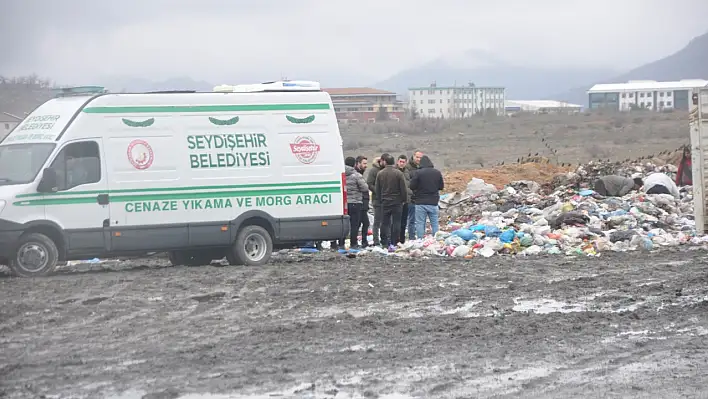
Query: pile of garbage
x,y
585,175
563,217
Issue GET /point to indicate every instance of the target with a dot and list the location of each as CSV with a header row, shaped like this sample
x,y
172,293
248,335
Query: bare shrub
x,y
625,140
351,145
597,152
618,122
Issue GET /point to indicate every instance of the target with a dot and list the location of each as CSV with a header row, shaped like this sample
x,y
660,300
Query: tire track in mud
x,y
620,325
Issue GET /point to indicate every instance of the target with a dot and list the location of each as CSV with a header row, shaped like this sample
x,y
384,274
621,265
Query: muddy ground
x,y
623,325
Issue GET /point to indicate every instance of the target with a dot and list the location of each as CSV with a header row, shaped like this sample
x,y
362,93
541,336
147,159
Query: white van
x,y
235,173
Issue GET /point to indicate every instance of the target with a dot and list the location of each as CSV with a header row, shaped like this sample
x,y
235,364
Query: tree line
x,y
29,81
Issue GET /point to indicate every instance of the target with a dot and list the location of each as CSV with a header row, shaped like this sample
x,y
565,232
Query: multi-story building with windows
x,y
646,94
365,105
456,101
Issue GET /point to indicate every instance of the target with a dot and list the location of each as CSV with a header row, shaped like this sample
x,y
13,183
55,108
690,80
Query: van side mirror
x,y
49,183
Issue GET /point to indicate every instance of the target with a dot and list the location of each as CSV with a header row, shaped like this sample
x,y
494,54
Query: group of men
x,y
619,186
403,192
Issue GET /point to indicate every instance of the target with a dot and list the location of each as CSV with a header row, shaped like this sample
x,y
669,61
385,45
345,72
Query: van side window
x,y
78,164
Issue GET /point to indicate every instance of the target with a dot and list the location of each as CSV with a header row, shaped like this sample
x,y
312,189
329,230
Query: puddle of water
x,y
357,348
296,393
583,304
509,382
643,332
678,263
220,396
692,331
647,335
404,310
464,310
546,306
304,390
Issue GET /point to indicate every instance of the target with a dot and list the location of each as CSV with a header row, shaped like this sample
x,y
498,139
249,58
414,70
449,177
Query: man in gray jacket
x,y
356,187
616,186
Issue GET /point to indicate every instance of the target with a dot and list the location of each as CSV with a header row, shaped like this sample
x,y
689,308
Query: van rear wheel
x,y
253,246
36,256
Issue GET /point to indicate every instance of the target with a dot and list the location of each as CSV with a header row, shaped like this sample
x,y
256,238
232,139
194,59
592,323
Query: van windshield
x,y
20,163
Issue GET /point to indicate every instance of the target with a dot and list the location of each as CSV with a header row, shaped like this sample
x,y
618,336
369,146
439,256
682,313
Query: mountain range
x,y
484,69
487,69
566,84
472,66
691,62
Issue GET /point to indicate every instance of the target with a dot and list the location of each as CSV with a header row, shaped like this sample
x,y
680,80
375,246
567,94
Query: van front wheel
x,y
36,256
253,246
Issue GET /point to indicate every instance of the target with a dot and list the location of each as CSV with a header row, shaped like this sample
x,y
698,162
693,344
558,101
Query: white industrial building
x,y
456,102
541,106
7,123
646,94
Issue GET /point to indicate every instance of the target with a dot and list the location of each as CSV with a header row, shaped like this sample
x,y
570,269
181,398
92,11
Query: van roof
x,y
276,86
79,91
280,86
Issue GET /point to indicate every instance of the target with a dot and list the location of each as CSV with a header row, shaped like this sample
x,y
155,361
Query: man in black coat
x,y
426,184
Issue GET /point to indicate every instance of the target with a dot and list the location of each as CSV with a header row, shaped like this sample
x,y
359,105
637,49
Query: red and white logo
x,y
140,154
305,149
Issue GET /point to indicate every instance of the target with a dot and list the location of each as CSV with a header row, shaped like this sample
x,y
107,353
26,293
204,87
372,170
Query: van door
x,y
79,206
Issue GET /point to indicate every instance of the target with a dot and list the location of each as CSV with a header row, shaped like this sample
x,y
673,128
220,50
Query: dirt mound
x,y
500,176
539,169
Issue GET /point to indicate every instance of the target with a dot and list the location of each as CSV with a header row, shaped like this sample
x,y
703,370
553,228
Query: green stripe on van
x,y
179,196
181,189
204,108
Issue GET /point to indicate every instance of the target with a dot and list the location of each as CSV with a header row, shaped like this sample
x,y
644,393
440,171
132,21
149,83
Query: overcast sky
x,y
222,41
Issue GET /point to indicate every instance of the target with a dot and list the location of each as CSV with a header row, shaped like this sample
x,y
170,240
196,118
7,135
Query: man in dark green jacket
x,y
375,200
392,192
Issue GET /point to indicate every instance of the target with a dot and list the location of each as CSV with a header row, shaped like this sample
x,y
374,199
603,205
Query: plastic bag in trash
x,y
507,236
461,251
492,231
622,235
477,186
465,234
454,241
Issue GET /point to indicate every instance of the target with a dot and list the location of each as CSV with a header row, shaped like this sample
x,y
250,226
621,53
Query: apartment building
x,y
456,101
644,94
365,105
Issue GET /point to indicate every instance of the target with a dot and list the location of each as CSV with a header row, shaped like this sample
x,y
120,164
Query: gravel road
x,y
324,326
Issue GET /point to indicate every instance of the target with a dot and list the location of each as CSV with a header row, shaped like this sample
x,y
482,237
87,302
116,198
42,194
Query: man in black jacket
x,y
391,190
426,184
361,164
